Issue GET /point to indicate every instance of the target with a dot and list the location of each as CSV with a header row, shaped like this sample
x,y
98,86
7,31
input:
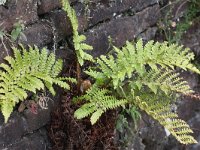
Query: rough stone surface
x,y
121,29
36,121
148,34
5,49
18,11
191,38
45,6
13,130
152,134
21,124
35,141
60,23
94,14
39,34
108,9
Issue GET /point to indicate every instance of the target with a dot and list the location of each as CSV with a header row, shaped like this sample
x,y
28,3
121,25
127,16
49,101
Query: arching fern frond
x,y
133,58
78,40
150,67
160,110
166,80
28,71
98,101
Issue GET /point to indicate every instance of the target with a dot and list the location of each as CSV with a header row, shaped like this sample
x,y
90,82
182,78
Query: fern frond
x,y
160,110
133,71
97,102
78,40
27,71
166,80
132,60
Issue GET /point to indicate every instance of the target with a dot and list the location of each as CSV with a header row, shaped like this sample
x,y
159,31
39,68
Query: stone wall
x,y
46,25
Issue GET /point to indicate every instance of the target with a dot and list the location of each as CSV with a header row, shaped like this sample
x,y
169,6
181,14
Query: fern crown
x,y
143,76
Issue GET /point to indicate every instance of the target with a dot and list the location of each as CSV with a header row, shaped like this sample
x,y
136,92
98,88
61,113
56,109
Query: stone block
x,y
36,121
39,34
60,23
191,38
121,29
104,12
13,130
22,11
34,141
45,6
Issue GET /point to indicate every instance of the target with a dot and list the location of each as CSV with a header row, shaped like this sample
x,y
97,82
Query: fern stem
x,y
78,76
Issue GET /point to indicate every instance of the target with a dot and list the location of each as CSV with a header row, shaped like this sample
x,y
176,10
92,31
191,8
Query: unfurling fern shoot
x,y
142,76
29,70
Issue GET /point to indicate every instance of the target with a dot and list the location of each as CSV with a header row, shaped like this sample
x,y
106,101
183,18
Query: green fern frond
x,y
30,70
78,40
132,60
137,67
166,80
98,101
160,110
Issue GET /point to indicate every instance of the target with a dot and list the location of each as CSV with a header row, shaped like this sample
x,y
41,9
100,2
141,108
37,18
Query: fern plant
x,y
78,40
28,71
143,76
